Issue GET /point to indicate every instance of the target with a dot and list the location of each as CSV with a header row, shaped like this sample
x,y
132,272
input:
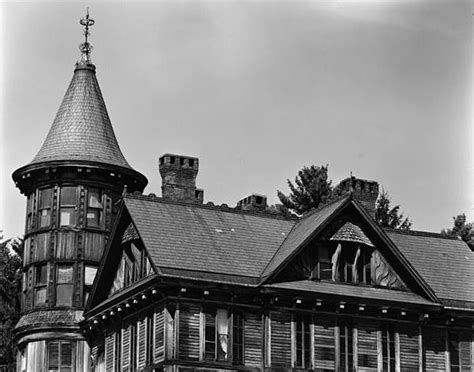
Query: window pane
x,y
89,275
45,217
64,274
64,294
222,333
41,274
68,195
67,217
93,217
40,296
94,200
45,197
53,356
66,355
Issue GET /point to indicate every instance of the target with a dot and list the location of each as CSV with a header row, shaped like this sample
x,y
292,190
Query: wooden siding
x,y
465,351
253,340
66,246
324,343
189,330
367,345
434,345
159,337
409,348
280,339
93,246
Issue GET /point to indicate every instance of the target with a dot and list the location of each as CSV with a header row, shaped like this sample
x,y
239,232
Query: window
x,y
454,351
44,207
29,211
223,336
150,326
67,214
238,338
94,208
23,360
41,282
346,346
323,268
89,275
302,339
64,287
388,349
352,263
60,356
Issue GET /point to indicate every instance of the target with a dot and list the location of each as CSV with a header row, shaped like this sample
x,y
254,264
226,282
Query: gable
x,y
125,262
346,256
344,245
135,263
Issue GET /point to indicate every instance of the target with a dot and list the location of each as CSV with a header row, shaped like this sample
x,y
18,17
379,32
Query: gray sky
x,y
257,90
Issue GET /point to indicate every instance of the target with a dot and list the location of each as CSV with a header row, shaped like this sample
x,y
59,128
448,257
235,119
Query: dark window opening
x,y
258,200
191,163
303,341
60,356
171,159
181,161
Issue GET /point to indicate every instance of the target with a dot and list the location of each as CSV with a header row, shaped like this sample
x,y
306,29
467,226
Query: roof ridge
x,y
209,205
427,234
321,207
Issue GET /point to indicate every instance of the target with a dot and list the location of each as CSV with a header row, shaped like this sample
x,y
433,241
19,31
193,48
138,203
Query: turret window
x,y
89,275
44,207
64,287
60,356
41,281
67,213
94,208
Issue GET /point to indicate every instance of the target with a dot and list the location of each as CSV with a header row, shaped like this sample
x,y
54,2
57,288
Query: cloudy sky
x,y
257,90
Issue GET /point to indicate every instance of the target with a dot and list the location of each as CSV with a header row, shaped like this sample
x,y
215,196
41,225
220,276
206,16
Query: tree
x,y
311,189
11,262
462,230
388,216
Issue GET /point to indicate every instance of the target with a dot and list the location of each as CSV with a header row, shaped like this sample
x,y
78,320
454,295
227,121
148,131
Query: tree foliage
x,y
11,262
311,188
462,230
388,216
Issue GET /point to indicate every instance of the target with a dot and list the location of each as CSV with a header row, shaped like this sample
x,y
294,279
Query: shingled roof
x,y
82,130
207,239
446,264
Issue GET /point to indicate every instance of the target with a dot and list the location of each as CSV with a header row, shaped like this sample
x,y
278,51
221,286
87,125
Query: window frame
x,y
302,335
58,284
60,344
40,286
235,322
95,209
68,206
388,343
48,207
87,288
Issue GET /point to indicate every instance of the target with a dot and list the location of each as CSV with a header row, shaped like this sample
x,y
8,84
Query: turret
x,y
72,185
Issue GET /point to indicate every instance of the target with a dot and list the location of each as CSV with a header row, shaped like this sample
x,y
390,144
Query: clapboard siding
x,y
253,340
125,348
159,349
280,339
189,329
141,342
367,346
409,344
434,345
324,343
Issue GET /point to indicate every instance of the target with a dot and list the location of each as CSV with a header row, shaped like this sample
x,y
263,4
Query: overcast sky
x,y
257,90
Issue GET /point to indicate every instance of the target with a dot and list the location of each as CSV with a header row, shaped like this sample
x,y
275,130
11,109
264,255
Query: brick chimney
x,y
254,202
365,191
178,178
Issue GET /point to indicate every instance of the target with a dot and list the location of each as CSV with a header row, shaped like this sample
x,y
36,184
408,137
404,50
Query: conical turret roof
x,y
82,130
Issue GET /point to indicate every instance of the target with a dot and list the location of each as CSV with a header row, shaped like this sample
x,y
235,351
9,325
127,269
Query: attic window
x,y
171,159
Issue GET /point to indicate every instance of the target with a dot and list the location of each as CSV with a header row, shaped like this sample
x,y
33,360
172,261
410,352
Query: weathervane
x,y
86,47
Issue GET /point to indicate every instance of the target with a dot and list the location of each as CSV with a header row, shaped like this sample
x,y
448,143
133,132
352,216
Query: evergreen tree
x,y
388,216
11,262
311,189
462,230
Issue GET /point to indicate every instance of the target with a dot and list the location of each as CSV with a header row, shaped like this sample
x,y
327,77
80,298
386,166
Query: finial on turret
x,y
86,47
